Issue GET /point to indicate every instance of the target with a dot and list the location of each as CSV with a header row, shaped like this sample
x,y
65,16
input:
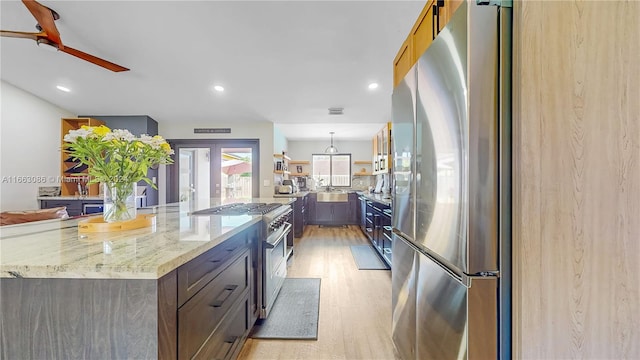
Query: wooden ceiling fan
x,y
48,35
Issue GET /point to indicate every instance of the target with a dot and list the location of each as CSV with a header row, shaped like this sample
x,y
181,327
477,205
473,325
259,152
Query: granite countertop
x,y
376,197
295,195
305,193
55,249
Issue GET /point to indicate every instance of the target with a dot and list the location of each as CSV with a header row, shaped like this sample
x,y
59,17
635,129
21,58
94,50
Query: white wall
x,y
263,131
280,142
29,146
359,150
302,150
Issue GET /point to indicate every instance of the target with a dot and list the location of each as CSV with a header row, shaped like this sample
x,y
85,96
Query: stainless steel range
x,y
272,252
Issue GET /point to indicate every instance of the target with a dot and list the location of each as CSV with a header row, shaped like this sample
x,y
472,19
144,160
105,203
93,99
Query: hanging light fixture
x,y
331,149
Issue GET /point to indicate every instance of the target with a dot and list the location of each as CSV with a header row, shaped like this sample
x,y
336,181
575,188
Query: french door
x,y
213,168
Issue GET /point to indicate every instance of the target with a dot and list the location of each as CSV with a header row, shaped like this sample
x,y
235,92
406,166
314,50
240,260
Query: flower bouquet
x,y
117,159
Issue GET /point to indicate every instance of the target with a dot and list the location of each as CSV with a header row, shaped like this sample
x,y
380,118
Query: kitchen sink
x,y
333,196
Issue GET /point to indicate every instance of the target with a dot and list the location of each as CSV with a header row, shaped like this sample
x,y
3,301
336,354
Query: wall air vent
x,y
336,111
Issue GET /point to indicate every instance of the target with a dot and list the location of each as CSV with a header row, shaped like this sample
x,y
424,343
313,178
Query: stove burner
x,y
240,209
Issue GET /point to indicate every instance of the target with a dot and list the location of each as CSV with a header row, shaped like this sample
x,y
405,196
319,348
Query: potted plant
x,y
117,159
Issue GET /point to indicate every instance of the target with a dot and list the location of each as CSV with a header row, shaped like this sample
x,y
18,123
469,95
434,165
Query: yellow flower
x,y
158,137
166,147
101,130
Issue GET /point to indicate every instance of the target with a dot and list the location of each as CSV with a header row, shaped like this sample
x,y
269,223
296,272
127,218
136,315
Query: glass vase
x,y
119,202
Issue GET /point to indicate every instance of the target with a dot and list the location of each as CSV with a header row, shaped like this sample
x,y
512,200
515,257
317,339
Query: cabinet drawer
x,y
195,274
208,310
227,340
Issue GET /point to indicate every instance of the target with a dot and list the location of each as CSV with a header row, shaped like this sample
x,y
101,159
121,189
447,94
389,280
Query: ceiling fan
x,y
48,35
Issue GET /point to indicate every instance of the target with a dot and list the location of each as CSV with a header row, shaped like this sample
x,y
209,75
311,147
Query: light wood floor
x,y
355,305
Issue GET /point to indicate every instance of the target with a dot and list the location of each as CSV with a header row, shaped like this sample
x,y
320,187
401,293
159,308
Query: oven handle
x,y
273,244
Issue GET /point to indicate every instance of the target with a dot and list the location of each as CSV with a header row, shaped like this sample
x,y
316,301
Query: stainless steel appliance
x,y
272,252
451,283
275,258
302,183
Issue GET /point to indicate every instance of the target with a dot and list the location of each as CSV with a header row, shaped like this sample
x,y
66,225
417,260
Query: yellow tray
x,y
97,224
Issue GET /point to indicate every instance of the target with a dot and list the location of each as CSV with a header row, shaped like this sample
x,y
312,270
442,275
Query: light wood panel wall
x,y
576,180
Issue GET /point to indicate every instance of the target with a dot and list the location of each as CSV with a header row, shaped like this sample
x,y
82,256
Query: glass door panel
x,y
236,174
194,180
213,168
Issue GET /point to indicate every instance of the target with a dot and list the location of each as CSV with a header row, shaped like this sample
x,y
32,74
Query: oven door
x,y
275,268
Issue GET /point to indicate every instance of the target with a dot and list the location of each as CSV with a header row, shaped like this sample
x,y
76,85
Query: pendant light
x,y
331,149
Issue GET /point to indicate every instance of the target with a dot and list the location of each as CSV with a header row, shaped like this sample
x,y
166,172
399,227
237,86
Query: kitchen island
x,y
182,288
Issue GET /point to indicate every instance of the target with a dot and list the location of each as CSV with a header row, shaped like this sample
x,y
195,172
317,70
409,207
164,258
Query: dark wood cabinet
x,y
79,206
362,213
201,330
217,298
300,215
333,213
375,223
324,212
74,207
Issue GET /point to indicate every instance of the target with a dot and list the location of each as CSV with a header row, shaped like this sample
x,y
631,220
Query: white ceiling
x,y
285,62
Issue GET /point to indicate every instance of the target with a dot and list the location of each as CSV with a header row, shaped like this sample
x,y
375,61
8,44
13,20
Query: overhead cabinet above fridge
x,y
451,184
433,18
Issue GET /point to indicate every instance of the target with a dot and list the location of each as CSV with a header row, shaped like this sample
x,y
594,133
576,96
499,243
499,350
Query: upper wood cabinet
x,y
432,19
424,31
382,150
403,61
450,6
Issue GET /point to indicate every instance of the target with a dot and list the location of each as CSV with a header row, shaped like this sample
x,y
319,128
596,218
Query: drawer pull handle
x,y
230,339
215,261
232,249
228,290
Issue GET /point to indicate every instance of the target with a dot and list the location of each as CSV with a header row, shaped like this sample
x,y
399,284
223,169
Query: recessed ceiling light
x,y
373,86
218,88
62,88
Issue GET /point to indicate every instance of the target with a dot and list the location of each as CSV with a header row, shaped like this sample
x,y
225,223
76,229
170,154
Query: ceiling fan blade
x,y
44,16
21,34
96,60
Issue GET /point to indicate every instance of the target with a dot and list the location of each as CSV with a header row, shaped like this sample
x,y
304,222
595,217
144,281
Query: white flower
x,y
119,134
73,135
146,139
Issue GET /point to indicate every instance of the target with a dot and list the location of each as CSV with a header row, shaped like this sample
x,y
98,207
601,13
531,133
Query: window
x,y
332,170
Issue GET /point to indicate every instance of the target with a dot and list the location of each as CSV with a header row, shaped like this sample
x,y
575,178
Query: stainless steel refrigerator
x,y
452,192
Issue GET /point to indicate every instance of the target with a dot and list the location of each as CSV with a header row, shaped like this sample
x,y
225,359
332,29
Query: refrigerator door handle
x,y
467,279
450,272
